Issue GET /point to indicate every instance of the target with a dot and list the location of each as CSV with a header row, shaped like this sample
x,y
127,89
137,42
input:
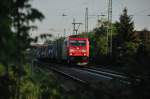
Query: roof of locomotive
x,y
72,37
77,37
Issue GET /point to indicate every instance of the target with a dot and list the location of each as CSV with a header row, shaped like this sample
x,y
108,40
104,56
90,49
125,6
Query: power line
x,y
136,13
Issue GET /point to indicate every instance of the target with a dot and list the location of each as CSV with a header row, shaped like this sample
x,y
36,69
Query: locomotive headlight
x,y
71,50
83,51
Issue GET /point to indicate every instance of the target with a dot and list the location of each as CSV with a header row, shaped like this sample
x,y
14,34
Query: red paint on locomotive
x,y
78,49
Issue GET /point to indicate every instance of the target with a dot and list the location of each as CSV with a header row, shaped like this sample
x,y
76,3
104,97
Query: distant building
x,y
144,35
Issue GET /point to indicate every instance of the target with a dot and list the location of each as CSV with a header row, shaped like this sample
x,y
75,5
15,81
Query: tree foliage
x,y
22,16
6,40
125,43
16,18
125,29
101,40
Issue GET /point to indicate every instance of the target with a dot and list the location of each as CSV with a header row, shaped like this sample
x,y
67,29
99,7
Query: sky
x,y
55,23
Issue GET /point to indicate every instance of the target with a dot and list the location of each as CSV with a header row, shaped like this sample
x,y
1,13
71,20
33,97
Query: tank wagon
x,y
69,49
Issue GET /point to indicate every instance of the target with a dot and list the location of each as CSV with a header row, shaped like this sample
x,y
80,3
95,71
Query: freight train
x,y
69,49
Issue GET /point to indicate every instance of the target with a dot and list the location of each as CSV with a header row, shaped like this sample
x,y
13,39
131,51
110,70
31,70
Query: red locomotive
x,y
70,49
78,50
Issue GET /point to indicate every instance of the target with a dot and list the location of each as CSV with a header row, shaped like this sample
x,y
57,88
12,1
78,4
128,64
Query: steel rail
x,y
116,74
97,71
107,73
120,78
69,76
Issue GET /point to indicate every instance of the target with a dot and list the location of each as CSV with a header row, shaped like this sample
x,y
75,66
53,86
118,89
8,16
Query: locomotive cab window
x,y
78,43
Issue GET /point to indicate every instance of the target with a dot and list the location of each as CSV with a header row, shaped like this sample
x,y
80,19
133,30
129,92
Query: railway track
x,y
66,74
113,75
89,75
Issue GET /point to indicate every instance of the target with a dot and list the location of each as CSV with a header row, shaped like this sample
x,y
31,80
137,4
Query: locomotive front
x,y
78,50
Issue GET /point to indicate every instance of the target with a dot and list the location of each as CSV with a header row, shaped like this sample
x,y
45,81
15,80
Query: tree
x,y
99,43
22,16
46,37
125,29
6,36
126,42
16,18
101,40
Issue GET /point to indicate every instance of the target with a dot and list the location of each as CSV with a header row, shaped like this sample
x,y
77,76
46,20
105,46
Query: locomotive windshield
x,y
77,42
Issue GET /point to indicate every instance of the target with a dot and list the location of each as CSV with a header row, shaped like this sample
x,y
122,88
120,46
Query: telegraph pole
x,y
86,20
109,29
75,29
64,32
